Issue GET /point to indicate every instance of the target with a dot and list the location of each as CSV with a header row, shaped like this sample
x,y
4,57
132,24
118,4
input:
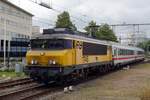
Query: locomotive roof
x,y
70,37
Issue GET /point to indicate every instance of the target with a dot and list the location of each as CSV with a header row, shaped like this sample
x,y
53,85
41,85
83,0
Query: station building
x,y
15,29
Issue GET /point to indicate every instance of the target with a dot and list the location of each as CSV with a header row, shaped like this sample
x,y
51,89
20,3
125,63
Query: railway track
x,y
28,92
39,93
12,83
32,91
12,95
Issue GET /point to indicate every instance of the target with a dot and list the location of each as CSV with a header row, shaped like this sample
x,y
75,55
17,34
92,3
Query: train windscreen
x,y
51,44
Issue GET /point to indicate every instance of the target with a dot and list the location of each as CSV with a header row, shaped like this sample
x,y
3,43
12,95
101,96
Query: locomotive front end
x,y
47,58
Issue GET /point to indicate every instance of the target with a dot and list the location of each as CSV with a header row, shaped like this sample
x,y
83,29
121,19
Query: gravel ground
x,y
126,84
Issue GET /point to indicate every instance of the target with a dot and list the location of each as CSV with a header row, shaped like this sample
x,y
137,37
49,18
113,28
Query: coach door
x,y
115,55
110,52
78,52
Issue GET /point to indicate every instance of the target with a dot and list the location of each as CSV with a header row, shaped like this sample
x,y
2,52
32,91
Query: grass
x,y
10,73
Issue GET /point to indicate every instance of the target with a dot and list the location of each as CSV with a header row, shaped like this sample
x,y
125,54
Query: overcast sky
x,y
82,11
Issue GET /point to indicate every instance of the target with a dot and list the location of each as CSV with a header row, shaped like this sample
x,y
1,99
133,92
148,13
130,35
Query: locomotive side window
x,y
125,52
140,52
51,44
94,49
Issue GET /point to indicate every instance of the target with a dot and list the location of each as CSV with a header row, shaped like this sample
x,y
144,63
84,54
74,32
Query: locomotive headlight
x,y
33,62
50,62
54,62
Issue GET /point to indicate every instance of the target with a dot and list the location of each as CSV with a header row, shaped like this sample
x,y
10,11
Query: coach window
x,y
132,53
140,52
119,52
115,52
124,52
127,52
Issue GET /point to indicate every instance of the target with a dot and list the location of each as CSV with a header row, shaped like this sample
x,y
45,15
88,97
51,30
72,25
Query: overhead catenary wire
x,y
44,20
58,11
83,15
40,21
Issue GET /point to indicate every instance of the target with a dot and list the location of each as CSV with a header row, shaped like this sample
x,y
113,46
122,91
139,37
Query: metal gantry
x,y
136,29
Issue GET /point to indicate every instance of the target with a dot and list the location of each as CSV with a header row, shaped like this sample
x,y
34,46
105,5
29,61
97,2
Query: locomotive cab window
x,y
51,44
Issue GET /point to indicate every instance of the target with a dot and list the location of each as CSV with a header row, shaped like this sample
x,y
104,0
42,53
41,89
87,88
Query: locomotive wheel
x,y
101,69
85,74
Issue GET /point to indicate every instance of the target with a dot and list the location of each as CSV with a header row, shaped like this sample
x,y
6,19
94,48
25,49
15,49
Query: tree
x,y
74,27
106,33
142,45
145,45
91,28
63,21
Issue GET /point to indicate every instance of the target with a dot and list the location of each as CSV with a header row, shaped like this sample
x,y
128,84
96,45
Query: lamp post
x,y
4,42
147,49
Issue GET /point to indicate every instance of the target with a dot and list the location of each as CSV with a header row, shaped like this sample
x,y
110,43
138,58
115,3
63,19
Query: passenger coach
x,y
123,55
